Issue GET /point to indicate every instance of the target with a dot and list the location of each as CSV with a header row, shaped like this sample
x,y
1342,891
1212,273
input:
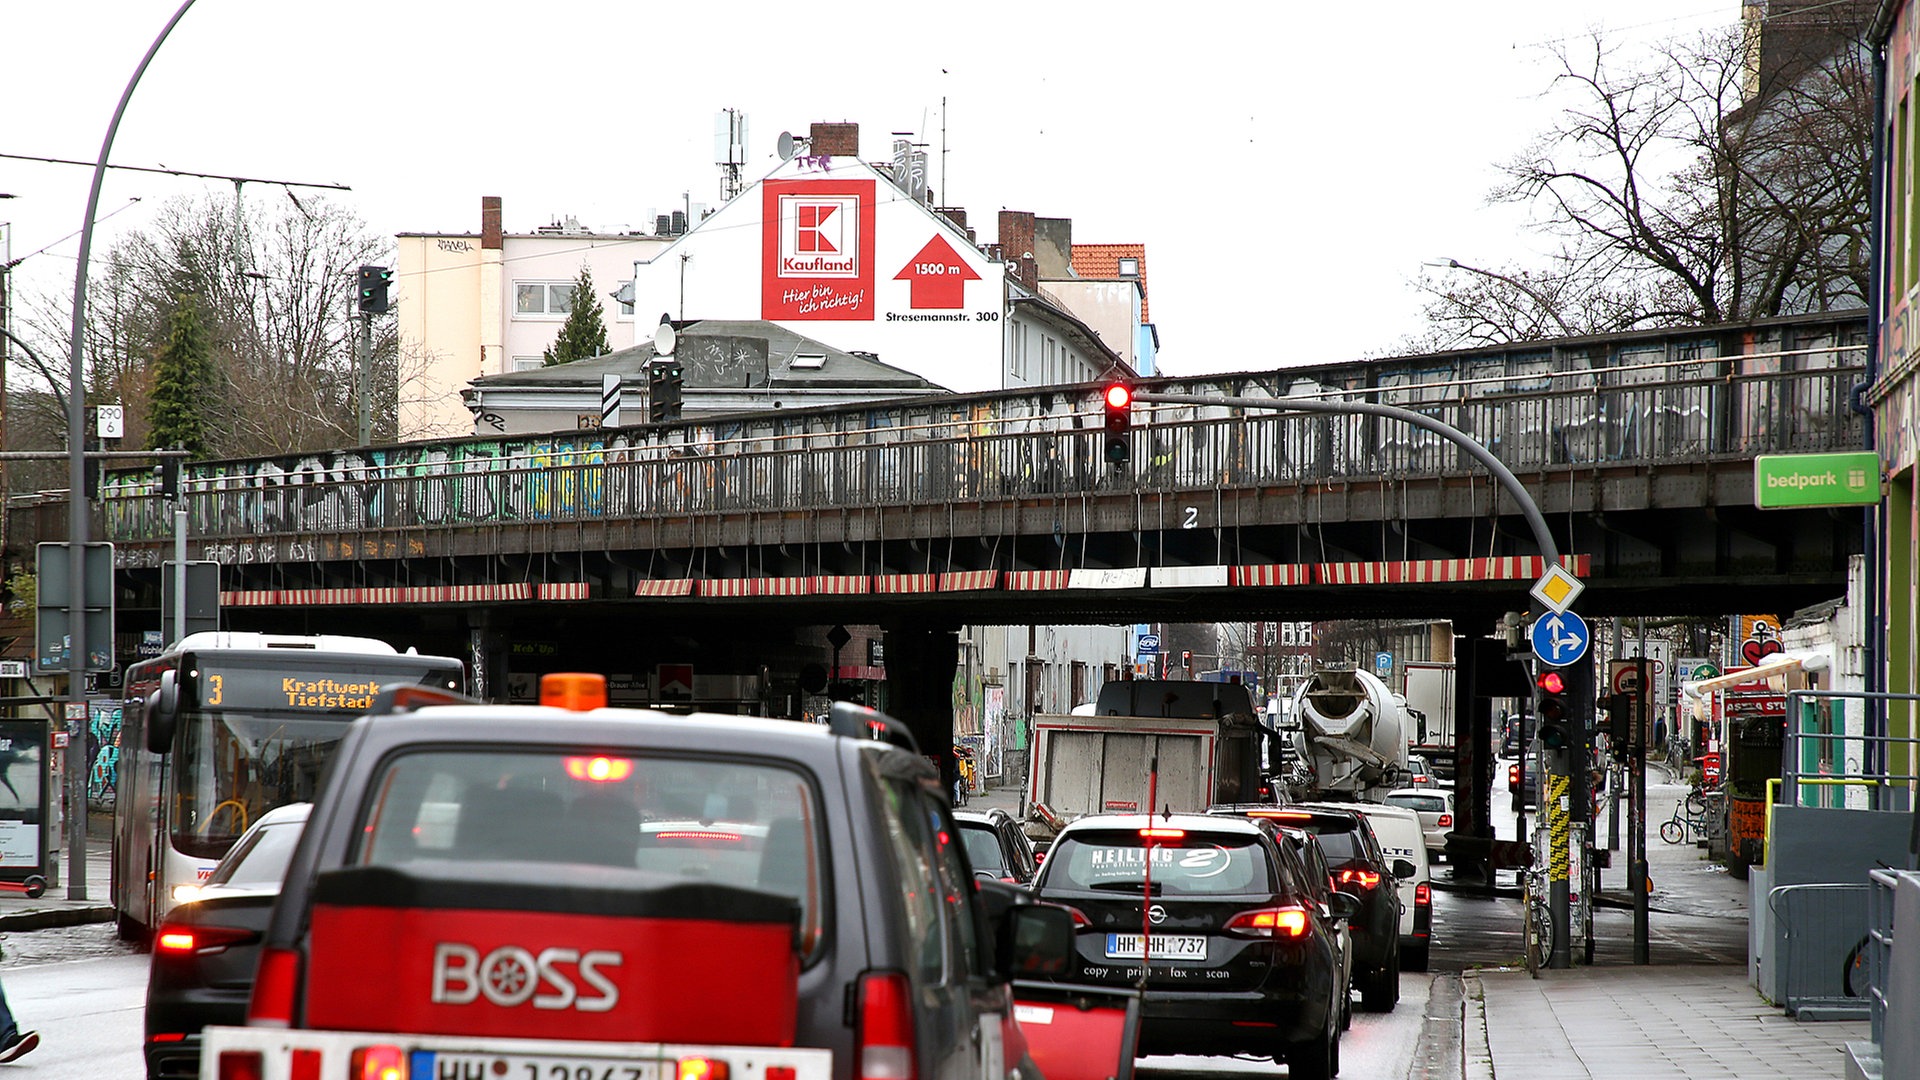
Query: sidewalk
x,y
52,908
1674,1018
1641,1023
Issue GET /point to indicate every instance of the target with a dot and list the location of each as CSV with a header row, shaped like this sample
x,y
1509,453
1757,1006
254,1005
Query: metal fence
x,y
997,447
1878,948
1821,926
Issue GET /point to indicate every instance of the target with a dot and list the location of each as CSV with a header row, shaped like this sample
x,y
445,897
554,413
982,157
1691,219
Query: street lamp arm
x,y
79,651
1528,508
1553,311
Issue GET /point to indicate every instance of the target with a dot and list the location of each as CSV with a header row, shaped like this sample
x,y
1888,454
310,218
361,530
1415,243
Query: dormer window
x,y
1129,267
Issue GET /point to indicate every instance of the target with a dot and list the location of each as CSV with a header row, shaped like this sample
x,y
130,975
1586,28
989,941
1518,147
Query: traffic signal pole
x,y
1637,830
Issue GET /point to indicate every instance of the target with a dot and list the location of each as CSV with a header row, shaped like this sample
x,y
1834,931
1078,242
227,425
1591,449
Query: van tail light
x,y
1445,822
1285,922
274,985
1366,879
380,1062
1422,895
701,1068
241,1065
884,1045
177,939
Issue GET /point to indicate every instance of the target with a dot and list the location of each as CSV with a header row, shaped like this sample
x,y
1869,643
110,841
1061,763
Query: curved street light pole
x,y
78,649
1552,311
1528,508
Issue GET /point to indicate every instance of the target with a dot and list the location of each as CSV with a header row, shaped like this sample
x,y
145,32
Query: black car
x,y
1319,880
1360,869
204,952
995,845
485,889
1244,958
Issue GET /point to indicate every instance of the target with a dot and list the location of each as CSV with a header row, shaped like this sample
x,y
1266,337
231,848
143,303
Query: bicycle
x,y
1539,925
1694,819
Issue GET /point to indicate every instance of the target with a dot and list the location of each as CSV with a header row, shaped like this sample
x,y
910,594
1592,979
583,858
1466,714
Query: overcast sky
x,y
1288,165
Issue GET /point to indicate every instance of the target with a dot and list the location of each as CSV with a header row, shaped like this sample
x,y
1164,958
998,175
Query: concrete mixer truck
x,y
1350,737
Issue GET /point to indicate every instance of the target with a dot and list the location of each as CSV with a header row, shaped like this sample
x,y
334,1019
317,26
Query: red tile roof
x,y
1101,262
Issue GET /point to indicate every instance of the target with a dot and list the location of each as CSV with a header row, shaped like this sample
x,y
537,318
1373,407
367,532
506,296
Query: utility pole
x,y
363,385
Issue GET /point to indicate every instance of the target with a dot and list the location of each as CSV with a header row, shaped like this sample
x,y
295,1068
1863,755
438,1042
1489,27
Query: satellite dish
x,y
663,339
785,146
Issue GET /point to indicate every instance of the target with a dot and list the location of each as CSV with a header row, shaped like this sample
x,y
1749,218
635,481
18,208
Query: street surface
x,y
84,990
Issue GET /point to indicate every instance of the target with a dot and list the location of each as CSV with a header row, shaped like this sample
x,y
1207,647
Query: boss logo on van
x,y
510,976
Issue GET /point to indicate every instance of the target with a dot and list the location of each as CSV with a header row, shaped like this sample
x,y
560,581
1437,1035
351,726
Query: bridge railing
x,y
1651,415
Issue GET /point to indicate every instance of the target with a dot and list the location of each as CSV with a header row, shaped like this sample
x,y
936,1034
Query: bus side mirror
x,y
163,713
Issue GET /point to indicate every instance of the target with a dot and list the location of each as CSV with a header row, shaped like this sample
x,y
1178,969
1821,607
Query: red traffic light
x,y
1119,396
1551,682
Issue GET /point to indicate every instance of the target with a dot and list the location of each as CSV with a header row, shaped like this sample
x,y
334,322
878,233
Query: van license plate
x,y
1165,947
459,1065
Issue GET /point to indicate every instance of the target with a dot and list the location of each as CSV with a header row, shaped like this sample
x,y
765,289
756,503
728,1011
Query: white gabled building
x,y
831,247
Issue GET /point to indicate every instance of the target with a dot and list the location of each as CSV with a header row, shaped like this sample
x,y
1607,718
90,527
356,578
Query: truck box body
x,y
1204,733
1430,707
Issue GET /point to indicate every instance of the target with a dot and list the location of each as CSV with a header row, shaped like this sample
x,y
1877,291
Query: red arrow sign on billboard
x,y
938,276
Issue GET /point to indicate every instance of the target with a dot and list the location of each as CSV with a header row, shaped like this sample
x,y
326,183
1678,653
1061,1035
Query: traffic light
x,y
663,391
374,281
1619,709
1118,401
1186,661
1550,711
166,476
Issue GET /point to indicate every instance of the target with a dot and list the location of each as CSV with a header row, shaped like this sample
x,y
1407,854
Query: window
x,y
918,878
1129,267
747,825
1198,864
543,297
625,299
528,363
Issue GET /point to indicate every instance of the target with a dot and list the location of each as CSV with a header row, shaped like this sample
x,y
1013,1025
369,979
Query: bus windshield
x,y
231,767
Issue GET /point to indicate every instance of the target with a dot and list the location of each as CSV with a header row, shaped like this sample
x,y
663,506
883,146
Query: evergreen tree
x,y
584,334
183,382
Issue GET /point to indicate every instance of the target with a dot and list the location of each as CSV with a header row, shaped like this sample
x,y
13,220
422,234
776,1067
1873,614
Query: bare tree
x,y
1692,186
277,292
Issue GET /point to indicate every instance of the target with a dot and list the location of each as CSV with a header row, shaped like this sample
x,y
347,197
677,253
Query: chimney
x,y
490,234
1016,246
834,140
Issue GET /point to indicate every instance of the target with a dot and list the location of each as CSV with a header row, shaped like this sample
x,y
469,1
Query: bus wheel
x,y
130,929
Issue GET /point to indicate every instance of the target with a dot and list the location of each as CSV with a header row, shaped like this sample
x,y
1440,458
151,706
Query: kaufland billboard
x,y
833,250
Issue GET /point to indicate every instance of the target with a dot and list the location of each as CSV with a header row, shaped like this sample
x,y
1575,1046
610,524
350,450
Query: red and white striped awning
x,y
1442,571
969,580
665,587
565,590
1272,574
840,584
764,586
906,583
398,594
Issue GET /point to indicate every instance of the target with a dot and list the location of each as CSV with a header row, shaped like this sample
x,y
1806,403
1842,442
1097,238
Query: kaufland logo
x,y
819,236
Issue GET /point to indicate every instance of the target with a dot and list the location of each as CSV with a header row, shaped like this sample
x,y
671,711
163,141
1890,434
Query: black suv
x,y
1361,870
495,890
996,847
1243,957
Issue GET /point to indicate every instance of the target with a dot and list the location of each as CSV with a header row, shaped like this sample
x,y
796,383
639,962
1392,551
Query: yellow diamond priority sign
x,y
1557,589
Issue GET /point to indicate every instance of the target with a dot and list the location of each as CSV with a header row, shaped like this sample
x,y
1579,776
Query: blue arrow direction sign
x,y
1560,638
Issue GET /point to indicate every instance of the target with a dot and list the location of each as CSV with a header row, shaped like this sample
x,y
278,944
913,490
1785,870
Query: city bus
x,y
223,727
